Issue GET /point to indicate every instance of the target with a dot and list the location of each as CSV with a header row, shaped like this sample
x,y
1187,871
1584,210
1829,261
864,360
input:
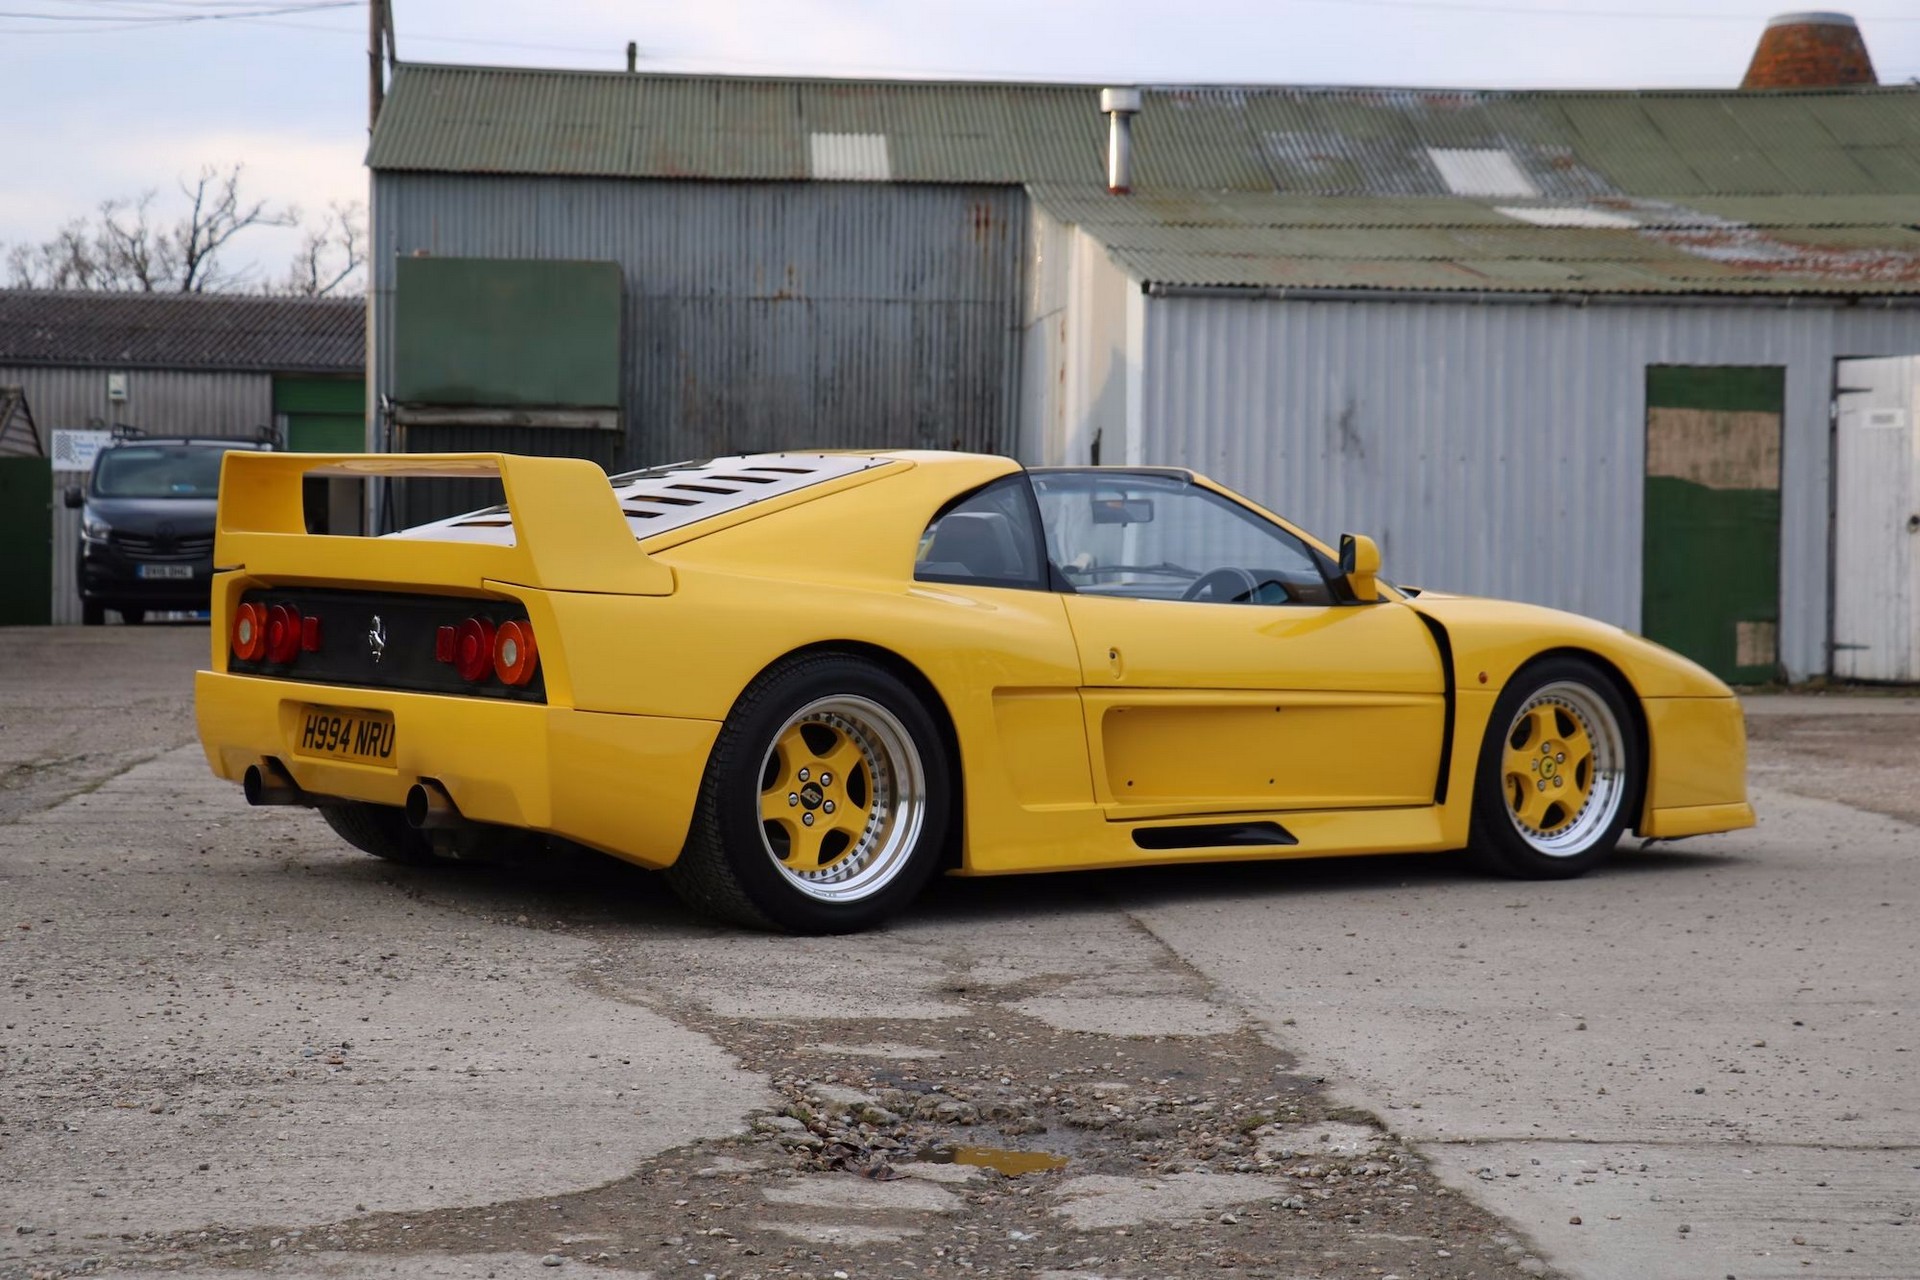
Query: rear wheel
x,y
92,613
825,802
133,617
378,829
1559,774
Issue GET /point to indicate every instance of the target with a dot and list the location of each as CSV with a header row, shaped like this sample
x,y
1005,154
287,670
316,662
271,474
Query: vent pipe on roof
x,y
1810,51
1120,105
633,56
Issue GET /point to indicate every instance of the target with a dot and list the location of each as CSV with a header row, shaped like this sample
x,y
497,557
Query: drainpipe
x,y
1120,106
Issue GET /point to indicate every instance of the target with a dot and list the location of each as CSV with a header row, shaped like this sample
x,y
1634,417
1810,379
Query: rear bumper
x,y
623,784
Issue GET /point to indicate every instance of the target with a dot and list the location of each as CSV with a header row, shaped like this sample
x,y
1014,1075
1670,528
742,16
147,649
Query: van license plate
x,y
364,737
151,571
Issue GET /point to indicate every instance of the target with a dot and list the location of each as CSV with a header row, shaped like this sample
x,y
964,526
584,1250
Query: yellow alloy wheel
x,y
1563,769
842,798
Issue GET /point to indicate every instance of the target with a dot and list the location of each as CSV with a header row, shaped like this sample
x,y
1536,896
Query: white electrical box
x,y
117,388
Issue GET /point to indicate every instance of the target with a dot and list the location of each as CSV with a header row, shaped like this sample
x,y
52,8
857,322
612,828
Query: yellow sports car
x,y
800,684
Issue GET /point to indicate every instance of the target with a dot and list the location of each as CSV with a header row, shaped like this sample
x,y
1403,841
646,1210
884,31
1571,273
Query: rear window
x,y
159,471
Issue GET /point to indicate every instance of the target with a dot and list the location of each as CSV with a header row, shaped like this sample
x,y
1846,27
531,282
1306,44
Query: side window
x,y
988,538
1160,537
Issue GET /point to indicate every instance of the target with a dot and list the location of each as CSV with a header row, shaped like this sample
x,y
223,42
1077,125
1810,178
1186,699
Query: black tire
x,y
133,617
774,873
378,829
92,613
1560,773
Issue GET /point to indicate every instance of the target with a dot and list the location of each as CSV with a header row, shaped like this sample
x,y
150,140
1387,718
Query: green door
x,y
1710,560
26,534
325,415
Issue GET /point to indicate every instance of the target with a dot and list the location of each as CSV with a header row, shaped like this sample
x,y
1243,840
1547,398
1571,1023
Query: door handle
x,y
1913,523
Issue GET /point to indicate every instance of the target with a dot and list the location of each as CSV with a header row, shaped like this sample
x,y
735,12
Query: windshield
x,y
159,471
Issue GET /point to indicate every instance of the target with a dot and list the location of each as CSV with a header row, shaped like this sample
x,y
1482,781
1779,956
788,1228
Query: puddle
x,y
1000,1159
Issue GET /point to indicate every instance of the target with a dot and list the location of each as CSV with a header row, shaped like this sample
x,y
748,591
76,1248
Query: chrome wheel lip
x,y
897,786
1607,790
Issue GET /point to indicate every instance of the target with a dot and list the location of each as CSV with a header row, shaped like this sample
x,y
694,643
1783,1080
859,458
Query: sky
x,y
103,100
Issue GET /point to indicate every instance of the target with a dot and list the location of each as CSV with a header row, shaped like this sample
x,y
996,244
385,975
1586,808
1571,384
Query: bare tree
x,y
218,214
67,261
126,246
330,254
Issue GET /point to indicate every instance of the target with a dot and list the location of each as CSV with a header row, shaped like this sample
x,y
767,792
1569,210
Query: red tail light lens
x,y
446,643
249,632
283,634
310,635
515,656
473,650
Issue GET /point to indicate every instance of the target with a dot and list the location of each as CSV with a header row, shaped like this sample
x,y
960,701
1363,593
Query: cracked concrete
x,y
1702,1060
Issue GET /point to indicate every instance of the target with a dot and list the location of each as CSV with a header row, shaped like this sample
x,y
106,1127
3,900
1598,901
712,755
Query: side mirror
x,y
73,496
1360,566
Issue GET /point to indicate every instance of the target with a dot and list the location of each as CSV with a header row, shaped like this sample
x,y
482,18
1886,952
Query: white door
x,y
1876,561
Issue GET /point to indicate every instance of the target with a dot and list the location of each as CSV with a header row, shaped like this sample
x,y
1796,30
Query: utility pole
x,y
380,55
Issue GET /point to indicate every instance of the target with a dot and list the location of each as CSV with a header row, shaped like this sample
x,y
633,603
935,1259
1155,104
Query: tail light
x,y
515,656
310,635
283,634
473,650
249,632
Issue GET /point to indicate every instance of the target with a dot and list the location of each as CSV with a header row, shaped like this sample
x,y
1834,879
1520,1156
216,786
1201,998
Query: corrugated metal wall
x,y
758,315
1080,323
159,400
1493,449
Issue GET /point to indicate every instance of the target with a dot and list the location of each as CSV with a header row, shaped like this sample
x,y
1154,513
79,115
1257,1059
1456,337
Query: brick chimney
x,y
1810,51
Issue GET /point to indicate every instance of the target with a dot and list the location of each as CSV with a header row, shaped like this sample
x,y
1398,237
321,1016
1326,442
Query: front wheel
x,y
825,802
1559,773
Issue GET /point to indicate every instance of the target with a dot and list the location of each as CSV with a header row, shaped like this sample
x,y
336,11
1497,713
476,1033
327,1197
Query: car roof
x,y
223,442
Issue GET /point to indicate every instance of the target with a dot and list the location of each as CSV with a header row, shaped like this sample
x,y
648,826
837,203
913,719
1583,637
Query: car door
x,y
1220,672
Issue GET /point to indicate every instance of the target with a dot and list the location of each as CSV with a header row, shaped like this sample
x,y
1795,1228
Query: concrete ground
x,y
1702,1060
233,1045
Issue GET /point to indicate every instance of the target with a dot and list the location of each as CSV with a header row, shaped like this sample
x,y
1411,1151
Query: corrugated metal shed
x,y
1455,432
756,315
226,332
1267,187
161,401
1303,141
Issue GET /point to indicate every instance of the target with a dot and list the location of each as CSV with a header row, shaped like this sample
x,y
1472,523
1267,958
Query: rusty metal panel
x,y
1456,432
756,315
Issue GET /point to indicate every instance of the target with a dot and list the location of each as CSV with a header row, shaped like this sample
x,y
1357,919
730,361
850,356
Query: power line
x,y
133,20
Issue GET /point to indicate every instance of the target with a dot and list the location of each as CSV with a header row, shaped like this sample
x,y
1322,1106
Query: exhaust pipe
x,y
268,782
430,808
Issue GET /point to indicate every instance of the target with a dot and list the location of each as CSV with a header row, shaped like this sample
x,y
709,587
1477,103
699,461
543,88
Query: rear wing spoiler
x,y
568,532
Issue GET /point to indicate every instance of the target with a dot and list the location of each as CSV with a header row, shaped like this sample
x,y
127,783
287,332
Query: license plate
x,y
364,737
166,571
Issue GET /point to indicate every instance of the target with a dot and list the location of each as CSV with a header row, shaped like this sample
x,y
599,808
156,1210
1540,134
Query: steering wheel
x,y
1217,583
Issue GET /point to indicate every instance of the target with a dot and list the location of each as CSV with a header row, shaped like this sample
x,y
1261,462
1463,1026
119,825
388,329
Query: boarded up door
x,y
1876,520
26,533
1710,562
